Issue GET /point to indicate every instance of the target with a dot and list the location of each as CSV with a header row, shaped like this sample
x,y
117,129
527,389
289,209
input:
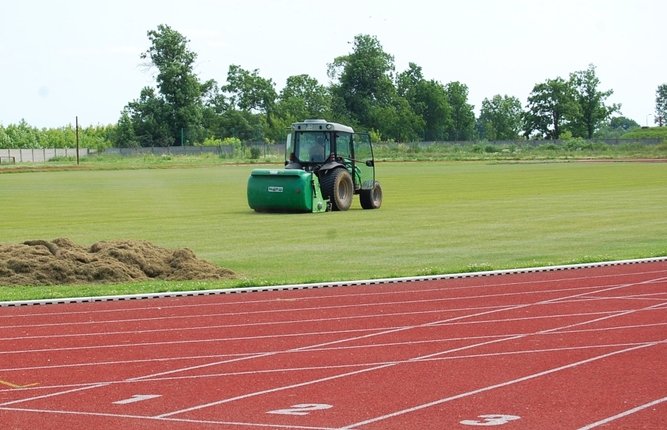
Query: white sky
x,y
60,58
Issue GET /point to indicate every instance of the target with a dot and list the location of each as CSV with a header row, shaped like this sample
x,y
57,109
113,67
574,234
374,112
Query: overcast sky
x,y
65,58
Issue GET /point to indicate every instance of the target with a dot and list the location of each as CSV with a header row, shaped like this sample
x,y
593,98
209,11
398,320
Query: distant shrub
x,y
255,152
211,141
578,144
647,133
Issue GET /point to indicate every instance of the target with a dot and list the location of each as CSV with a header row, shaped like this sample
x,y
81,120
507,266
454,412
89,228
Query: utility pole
x,y
77,140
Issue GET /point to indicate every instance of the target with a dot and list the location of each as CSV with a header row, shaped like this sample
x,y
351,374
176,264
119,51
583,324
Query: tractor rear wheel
x,y
338,187
371,199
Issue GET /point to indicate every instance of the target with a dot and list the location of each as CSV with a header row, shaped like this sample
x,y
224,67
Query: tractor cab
x,y
314,142
316,145
338,161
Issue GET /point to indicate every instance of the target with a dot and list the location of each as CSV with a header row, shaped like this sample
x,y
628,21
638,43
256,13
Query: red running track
x,y
576,348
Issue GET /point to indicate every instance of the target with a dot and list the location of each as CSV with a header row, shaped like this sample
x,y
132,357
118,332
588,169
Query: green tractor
x,y
326,163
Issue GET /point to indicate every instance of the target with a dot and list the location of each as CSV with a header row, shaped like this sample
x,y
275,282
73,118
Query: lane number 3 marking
x,y
490,420
301,409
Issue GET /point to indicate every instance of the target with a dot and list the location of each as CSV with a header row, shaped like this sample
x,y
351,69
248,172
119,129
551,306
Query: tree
x,y
125,136
22,135
397,121
5,141
251,93
592,110
463,117
500,118
408,81
150,117
362,81
165,117
616,127
428,100
303,97
551,106
661,105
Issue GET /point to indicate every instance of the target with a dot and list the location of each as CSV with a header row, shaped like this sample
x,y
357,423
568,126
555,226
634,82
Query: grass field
x,y
437,217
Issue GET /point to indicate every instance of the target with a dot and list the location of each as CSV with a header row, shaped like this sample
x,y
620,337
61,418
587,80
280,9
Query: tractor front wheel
x,y
371,199
338,187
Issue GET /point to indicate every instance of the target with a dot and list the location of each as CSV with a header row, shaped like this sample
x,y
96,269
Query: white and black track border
x,y
381,281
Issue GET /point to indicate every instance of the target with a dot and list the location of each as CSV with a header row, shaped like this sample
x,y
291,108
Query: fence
x,y
221,150
540,142
42,155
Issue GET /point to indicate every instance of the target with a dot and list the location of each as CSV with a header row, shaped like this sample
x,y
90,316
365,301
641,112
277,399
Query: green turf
x,y
437,217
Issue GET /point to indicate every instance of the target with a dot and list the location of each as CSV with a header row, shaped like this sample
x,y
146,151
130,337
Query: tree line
x,y
365,91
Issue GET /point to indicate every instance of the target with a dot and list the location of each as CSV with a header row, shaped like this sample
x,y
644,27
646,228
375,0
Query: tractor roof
x,y
320,124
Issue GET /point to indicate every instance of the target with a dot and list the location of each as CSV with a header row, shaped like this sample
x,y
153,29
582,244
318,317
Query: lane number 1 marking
x,y
301,409
137,398
490,420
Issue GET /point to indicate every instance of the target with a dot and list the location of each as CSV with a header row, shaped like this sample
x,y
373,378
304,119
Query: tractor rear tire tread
x,y
337,186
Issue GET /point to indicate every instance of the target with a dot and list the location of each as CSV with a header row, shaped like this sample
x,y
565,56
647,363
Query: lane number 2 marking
x,y
490,420
301,409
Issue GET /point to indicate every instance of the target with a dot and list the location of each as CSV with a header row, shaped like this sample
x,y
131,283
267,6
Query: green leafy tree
x,y
175,111
63,137
500,118
623,123
5,142
98,136
428,100
303,97
661,105
463,117
363,92
244,125
22,135
616,127
551,107
125,136
408,81
250,93
362,81
592,112
215,105
398,122
151,116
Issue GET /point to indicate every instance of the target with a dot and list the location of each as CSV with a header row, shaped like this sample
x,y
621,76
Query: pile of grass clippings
x,y
61,261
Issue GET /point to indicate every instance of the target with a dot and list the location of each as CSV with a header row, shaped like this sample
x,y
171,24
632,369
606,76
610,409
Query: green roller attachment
x,y
289,190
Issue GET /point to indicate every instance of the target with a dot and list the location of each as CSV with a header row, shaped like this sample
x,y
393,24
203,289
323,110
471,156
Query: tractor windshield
x,y
312,146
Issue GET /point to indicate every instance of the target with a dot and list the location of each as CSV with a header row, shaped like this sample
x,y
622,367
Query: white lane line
x,y
495,386
163,420
160,306
272,323
307,348
481,390
222,401
624,414
337,366
337,342
60,393
305,309
365,346
297,334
